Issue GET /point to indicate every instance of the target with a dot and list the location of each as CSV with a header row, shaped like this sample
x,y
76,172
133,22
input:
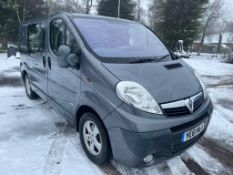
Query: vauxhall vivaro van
x,y
128,96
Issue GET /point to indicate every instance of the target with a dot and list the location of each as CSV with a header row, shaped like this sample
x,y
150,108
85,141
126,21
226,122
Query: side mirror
x,y
66,58
62,54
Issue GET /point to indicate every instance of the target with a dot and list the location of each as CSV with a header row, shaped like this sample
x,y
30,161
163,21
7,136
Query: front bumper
x,y
132,140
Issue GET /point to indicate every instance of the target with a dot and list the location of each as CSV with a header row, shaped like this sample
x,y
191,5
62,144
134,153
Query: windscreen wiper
x,y
143,60
146,60
162,58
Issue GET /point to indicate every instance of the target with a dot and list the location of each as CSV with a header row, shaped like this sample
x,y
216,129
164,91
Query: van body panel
x,y
38,73
123,117
133,133
63,83
61,110
99,96
165,85
154,134
97,77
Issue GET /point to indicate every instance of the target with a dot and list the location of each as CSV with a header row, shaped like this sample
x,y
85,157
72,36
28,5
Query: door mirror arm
x,y
174,56
73,60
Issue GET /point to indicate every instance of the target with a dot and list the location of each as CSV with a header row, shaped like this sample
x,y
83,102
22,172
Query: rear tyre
x,y
94,139
28,89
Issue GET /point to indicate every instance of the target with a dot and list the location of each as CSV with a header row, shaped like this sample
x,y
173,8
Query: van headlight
x,y
201,82
136,95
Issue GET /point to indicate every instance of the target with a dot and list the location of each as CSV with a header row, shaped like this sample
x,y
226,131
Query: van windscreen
x,y
120,39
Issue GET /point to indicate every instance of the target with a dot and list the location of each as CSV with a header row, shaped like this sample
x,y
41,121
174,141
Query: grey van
x,y
128,96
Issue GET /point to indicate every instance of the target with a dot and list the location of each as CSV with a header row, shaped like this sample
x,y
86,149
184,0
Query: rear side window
x,y
23,45
61,35
36,37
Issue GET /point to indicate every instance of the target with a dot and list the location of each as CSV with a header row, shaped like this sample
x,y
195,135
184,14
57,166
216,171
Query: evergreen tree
x,y
110,8
177,20
8,22
14,12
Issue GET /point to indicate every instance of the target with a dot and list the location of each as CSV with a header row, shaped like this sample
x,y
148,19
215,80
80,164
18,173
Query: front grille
x,y
179,108
198,102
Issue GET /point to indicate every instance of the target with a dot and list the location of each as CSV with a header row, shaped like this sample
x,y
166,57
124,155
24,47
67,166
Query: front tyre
x,y
29,92
94,139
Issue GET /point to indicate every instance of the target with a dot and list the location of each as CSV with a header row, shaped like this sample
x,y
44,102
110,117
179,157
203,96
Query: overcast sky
x,y
228,6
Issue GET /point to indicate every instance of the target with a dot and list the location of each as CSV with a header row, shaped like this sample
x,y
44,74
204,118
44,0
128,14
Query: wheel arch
x,y
82,110
23,74
23,70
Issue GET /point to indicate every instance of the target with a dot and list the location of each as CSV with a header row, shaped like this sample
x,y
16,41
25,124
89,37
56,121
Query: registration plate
x,y
188,135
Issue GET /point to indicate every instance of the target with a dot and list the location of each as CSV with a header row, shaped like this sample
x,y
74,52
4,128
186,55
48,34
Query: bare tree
x,y
28,9
88,4
154,14
73,6
139,11
211,17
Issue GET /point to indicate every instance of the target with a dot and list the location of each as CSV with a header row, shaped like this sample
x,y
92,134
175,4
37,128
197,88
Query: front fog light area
x,y
148,159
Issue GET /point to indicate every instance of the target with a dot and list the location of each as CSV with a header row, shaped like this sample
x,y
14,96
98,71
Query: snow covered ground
x,y
35,140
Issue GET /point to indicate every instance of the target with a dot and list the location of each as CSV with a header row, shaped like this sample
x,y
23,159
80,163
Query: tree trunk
x,y
89,4
201,44
219,43
4,43
203,35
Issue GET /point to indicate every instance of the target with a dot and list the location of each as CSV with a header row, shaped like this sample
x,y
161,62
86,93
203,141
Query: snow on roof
x,y
227,38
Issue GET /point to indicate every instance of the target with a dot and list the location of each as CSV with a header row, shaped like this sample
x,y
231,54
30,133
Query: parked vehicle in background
x,y
12,49
179,50
126,94
228,58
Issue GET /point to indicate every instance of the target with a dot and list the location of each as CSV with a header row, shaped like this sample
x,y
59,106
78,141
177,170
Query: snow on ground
x,y
206,65
218,78
35,140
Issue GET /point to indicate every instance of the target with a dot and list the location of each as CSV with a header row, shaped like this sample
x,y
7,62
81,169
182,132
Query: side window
x,y
36,37
61,35
70,41
57,34
23,35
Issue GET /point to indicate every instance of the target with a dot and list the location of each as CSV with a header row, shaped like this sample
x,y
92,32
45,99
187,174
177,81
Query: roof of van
x,y
96,17
31,21
78,15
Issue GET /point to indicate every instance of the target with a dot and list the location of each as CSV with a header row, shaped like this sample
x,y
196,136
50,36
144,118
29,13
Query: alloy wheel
x,y
92,138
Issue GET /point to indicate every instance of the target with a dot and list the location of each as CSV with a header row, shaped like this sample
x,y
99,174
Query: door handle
x,y
49,62
44,62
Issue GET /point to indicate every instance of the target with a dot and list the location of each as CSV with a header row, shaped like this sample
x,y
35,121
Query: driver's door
x,y
64,83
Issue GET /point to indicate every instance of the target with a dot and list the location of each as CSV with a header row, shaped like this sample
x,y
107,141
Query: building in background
x,y
215,43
